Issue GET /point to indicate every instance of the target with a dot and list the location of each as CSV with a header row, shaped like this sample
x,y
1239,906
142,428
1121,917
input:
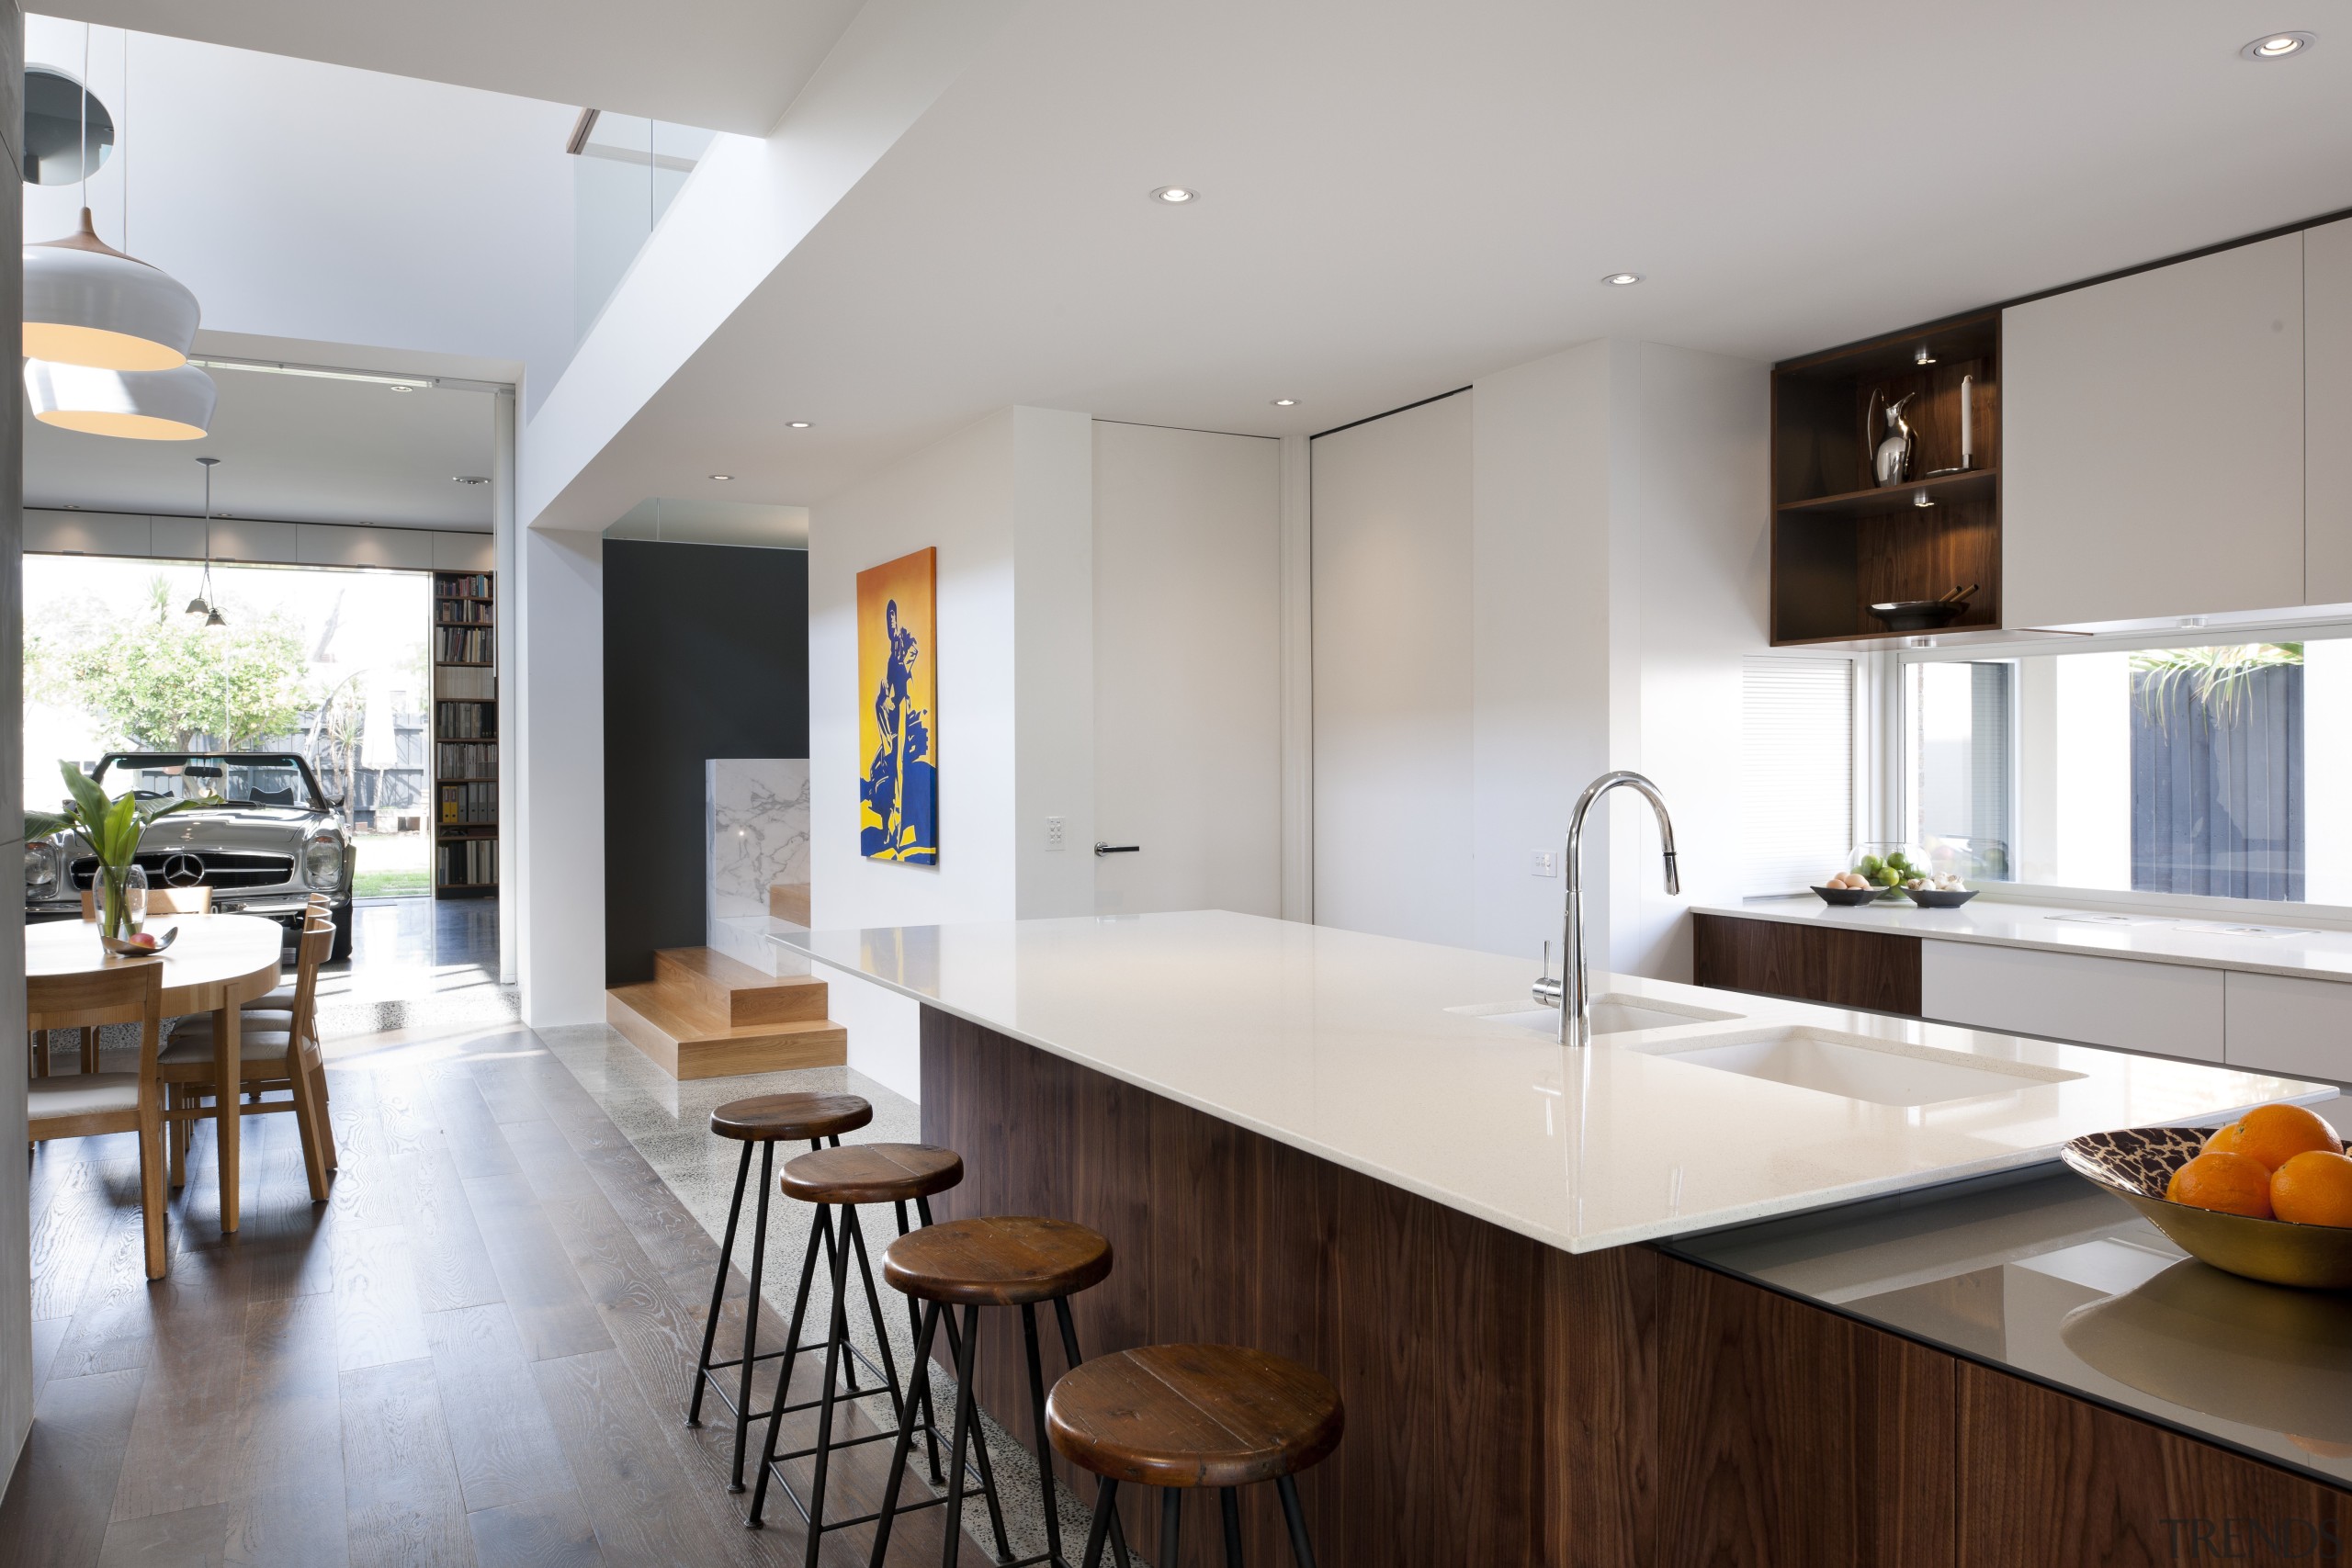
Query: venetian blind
x,y
1797,805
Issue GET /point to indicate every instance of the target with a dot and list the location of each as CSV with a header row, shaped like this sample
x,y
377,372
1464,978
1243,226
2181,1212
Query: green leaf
x,y
193,803
120,832
39,825
88,795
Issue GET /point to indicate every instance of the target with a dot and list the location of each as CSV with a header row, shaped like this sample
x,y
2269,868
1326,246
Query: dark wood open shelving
x,y
1842,542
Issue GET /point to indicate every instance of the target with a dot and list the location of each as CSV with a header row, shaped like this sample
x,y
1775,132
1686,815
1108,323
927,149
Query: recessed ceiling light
x,y
1622,279
1175,196
1285,402
799,424
722,476
468,478
400,387
2277,46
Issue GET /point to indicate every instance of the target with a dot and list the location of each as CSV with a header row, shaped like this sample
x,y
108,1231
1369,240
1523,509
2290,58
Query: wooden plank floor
x,y
476,1352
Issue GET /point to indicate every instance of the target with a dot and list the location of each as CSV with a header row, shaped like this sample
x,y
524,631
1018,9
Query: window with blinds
x,y
1797,813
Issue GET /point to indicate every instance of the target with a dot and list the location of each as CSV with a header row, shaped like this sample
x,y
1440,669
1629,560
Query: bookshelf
x,y
465,735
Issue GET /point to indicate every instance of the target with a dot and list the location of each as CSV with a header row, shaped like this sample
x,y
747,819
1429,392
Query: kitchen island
x,y
1356,1152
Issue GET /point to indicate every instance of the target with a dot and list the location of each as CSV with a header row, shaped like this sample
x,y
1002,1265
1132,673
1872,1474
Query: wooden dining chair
x,y
270,1058
89,1105
160,901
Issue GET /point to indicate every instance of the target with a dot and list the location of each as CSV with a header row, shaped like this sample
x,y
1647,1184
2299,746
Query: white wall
x,y
16,1256
1566,581
1007,502
1395,798
1187,670
2327,765
557,830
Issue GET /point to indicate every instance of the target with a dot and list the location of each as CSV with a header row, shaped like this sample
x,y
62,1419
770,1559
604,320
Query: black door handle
x,y
1116,848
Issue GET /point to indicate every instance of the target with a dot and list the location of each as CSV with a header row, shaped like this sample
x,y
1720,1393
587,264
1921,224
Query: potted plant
x,y
112,829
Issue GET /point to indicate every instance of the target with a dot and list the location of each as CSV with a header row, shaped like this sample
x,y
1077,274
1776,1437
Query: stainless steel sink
x,y
1611,1014
1858,1067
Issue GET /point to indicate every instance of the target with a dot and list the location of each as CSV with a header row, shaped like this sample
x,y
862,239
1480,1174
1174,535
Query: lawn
x,y
392,865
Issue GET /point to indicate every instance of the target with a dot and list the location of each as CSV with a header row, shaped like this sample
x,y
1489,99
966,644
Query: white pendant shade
x,y
145,405
86,303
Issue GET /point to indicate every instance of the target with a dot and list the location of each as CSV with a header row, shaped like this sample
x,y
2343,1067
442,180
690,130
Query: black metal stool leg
x,y
1170,1500
951,1548
1045,1449
981,1460
1069,1353
834,1339
1300,1551
930,1416
784,1373
718,1289
918,1398
874,1308
1106,1508
1229,1505
751,1317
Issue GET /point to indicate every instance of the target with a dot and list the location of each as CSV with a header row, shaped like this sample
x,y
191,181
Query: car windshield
x,y
244,780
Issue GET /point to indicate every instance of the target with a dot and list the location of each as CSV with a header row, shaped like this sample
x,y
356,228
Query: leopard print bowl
x,y
2136,1164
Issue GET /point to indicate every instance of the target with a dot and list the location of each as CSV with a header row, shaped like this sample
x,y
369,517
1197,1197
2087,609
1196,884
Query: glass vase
x,y
122,902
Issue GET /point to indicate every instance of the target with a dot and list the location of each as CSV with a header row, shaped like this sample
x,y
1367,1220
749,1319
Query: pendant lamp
x,y
145,405
89,304
202,603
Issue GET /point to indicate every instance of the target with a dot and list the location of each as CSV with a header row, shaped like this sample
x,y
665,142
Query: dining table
x,y
215,963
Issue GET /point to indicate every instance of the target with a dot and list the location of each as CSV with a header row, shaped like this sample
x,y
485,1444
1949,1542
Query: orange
x,y
2224,1137
2230,1183
2276,1134
2314,1188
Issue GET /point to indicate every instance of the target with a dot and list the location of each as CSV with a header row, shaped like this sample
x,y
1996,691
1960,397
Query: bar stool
x,y
765,1120
1006,1261
1177,1417
839,1179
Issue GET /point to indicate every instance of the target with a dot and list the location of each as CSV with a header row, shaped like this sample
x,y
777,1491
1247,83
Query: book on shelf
x,y
465,721
461,584
468,805
464,645
466,683
470,862
465,760
459,612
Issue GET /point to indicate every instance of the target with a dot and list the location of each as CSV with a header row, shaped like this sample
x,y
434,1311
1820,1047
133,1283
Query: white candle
x,y
1967,421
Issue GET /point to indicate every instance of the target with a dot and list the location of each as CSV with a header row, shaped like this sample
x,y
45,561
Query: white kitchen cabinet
x,y
2327,414
2152,443
2166,1010
2298,1028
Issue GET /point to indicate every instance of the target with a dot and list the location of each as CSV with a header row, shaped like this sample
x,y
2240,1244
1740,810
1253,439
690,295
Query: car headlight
x,y
323,861
40,866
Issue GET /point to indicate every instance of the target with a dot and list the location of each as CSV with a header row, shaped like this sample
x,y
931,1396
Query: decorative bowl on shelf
x,y
2136,1164
121,947
1848,897
1932,899
1919,614
1887,864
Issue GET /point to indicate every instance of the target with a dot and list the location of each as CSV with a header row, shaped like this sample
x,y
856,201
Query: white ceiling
x,y
1399,197
720,64
293,448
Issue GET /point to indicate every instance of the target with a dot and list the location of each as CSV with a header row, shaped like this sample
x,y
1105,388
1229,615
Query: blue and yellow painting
x,y
897,669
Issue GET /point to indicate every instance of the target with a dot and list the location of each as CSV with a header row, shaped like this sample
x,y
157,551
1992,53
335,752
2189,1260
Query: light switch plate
x,y
1053,834
1543,863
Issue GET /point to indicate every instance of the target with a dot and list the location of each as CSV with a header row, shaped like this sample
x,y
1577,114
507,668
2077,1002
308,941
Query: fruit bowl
x,y
2137,1163
121,949
1948,899
1849,897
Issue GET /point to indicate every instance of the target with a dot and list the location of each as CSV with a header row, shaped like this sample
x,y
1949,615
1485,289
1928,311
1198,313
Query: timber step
x,y
705,1015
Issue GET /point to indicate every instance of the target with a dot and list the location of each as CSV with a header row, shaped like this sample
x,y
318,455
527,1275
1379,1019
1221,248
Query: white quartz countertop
x,y
2279,946
1354,1048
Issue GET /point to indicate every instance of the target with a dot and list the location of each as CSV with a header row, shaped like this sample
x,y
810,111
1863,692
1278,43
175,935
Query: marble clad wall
x,y
757,831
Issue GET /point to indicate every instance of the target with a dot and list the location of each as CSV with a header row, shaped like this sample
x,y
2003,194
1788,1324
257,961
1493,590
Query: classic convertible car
x,y
271,841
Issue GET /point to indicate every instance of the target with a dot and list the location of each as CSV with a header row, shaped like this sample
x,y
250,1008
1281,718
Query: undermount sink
x,y
1858,1067
1611,1014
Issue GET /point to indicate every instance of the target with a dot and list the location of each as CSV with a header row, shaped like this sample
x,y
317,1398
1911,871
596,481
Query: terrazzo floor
x,y
668,1123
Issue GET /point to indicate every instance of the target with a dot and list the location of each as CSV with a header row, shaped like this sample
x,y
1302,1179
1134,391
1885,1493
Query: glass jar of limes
x,y
1887,865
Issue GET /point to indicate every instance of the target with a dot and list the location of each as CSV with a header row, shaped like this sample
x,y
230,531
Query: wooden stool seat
x,y
767,1117
872,1173
1180,1415
1001,1261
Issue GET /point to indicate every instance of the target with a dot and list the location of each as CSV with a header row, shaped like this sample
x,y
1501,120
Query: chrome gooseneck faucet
x,y
1572,991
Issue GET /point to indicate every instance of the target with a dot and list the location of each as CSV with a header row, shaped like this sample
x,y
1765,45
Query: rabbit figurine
x,y
1892,462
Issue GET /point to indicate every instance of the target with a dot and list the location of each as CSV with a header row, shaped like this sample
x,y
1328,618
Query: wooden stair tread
x,y
685,1019
727,988
689,1042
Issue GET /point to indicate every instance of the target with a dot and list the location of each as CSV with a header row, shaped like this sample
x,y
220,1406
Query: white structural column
x,y
15,1261
1297,547
558,746
503,558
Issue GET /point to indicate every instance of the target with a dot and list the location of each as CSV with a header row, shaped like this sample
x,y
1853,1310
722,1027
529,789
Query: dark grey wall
x,y
706,655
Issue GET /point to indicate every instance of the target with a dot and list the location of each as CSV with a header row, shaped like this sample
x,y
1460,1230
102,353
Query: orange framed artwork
x,y
898,676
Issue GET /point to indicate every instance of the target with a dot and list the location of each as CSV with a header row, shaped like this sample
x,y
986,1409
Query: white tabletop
x,y
1343,1044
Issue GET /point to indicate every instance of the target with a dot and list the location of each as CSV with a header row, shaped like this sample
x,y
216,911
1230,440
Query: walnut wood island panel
x,y
1509,1402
